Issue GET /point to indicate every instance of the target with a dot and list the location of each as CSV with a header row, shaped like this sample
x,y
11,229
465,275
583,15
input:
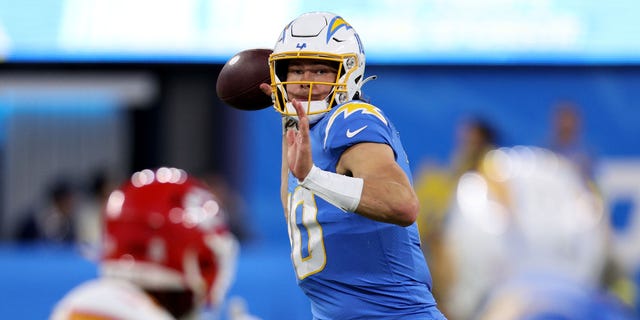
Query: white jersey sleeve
x,y
108,299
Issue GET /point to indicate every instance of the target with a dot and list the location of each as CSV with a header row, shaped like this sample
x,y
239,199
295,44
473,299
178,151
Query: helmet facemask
x,y
315,108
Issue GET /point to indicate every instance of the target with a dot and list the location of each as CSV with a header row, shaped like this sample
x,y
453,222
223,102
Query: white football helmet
x,y
319,36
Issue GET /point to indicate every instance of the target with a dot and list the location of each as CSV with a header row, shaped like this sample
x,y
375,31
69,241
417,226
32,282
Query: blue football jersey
x,y
349,266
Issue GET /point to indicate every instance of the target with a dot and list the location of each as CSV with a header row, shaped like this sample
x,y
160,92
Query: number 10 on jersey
x,y
305,234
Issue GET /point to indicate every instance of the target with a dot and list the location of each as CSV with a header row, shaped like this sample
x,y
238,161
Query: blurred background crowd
x,y
85,101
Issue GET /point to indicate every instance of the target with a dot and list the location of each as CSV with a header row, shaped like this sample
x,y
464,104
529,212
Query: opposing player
x,y
167,253
346,184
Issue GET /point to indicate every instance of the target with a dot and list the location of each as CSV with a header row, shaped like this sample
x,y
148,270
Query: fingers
x,y
266,88
291,136
299,109
299,157
303,120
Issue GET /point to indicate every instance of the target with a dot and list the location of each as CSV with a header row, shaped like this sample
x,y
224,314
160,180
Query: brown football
x,y
239,80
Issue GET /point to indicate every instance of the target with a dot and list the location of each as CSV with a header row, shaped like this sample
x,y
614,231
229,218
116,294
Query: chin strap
x,y
311,106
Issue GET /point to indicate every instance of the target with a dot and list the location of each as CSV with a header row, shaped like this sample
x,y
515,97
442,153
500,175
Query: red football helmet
x,y
165,232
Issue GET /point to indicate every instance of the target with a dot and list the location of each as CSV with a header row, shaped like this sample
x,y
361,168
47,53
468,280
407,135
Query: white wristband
x,y
342,191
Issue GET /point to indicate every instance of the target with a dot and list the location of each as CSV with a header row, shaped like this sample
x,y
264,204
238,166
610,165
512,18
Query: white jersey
x,y
108,299
530,213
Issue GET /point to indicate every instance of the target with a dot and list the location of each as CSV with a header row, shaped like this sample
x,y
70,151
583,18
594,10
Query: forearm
x,y
381,197
387,200
388,195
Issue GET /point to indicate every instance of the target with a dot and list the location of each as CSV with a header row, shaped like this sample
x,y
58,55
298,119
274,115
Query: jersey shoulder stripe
x,y
348,109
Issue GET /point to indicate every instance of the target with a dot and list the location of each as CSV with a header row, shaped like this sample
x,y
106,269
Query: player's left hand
x,y
299,145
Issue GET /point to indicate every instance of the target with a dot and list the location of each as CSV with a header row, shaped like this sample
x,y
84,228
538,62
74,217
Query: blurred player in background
x,y
567,137
54,221
475,137
529,240
168,253
346,183
434,185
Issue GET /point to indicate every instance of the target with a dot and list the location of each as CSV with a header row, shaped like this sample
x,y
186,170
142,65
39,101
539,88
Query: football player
x,y
167,252
528,240
346,183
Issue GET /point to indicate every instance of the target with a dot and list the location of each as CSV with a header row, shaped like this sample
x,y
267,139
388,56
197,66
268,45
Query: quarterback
x,y
346,184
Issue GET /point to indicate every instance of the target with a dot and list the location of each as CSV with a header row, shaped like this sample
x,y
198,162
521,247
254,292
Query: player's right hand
x,y
266,88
